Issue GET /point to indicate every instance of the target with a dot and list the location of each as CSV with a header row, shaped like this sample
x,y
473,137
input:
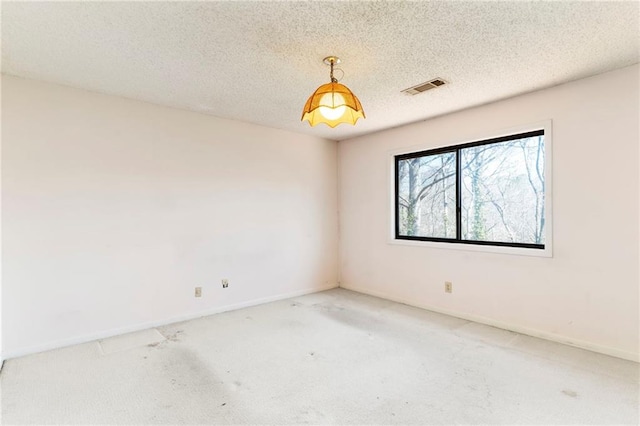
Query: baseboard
x,y
631,356
57,344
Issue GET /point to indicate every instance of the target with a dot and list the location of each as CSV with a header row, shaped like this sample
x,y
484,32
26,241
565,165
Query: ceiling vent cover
x,y
423,87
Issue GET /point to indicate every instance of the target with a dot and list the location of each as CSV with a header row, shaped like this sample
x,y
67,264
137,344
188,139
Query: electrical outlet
x,y
448,287
225,283
198,291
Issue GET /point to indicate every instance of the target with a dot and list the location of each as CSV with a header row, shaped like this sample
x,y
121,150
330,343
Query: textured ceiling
x,y
259,61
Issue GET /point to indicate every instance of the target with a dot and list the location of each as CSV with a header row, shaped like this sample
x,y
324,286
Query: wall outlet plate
x,y
198,292
448,287
225,283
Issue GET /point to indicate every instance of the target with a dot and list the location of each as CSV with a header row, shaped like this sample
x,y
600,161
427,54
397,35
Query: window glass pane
x,y
427,196
503,192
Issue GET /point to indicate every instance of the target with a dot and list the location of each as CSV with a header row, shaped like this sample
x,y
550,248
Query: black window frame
x,y
456,149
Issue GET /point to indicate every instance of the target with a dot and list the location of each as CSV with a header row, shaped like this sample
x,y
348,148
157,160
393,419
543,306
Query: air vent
x,y
423,87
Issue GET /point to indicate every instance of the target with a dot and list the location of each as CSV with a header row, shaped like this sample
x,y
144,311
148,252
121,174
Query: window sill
x,y
516,251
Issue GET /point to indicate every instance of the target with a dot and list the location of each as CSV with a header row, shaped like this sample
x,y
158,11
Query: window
x,y
489,192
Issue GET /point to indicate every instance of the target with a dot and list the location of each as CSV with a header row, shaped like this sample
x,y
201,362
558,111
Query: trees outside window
x,y
489,192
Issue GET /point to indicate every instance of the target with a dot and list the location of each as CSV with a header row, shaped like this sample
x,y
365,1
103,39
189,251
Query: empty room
x,y
320,212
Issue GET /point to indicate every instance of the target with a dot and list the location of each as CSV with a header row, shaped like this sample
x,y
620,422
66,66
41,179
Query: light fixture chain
x,y
333,79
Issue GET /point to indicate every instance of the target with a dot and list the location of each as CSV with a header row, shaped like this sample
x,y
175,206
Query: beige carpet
x,y
335,357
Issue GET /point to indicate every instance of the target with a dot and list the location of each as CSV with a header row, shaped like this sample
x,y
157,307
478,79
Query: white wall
x,y
114,210
1,353
587,293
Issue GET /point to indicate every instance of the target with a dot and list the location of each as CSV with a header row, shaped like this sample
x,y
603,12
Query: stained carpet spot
x,y
175,337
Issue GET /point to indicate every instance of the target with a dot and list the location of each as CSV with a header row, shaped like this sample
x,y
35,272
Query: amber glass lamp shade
x,y
332,104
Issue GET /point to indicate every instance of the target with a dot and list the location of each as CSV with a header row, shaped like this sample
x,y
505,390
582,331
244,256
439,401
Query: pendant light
x,y
332,103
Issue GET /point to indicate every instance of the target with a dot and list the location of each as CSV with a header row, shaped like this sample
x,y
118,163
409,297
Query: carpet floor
x,y
335,357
